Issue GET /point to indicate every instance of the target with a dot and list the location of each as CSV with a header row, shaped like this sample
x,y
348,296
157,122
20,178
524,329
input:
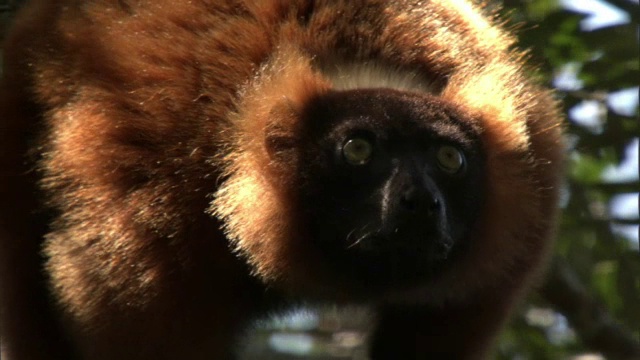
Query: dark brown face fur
x,y
399,216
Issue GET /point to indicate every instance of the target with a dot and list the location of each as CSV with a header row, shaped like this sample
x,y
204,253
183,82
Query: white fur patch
x,y
376,76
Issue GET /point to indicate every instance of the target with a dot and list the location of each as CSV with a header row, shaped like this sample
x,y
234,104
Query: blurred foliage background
x,y
590,302
589,305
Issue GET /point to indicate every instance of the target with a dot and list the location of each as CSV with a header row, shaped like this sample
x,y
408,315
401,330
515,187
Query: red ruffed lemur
x,y
173,170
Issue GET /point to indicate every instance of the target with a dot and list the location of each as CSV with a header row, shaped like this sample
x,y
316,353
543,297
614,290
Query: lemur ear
x,y
280,137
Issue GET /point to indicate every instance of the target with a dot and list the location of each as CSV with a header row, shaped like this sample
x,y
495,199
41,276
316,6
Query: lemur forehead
x,y
374,75
391,113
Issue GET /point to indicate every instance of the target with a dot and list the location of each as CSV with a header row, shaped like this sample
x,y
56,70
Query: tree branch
x,y
591,321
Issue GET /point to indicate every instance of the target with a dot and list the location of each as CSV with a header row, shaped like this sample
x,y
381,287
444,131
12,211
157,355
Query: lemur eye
x,y
357,151
450,159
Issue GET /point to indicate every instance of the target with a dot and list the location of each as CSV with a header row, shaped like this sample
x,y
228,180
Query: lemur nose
x,y
414,199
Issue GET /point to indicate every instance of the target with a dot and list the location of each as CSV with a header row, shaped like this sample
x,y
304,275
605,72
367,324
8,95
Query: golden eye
x,y
450,159
357,151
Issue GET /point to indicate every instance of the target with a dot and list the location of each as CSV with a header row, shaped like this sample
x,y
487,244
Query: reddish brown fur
x,y
145,118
